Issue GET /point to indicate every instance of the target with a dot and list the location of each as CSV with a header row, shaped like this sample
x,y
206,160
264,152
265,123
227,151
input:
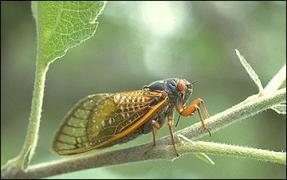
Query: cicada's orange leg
x,y
194,106
170,124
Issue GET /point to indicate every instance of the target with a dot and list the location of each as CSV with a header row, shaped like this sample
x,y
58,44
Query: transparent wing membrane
x,y
72,136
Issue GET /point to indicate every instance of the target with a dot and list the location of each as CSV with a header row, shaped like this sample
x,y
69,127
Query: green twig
x,y
137,153
34,121
232,115
20,162
235,151
277,80
199,155
250,72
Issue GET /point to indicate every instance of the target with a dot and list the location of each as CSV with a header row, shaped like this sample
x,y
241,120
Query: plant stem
x,y
35,116
31,138
250,71
234,150
162,151
136,153
277,80
20,162
232,115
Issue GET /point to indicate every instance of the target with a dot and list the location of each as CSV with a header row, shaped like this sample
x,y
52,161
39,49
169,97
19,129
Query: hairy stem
x,y
236,151
277,80
233,114
137,153
21,162
34,121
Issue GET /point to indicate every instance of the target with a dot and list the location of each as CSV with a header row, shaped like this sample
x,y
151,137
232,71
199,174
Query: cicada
x,y
102,120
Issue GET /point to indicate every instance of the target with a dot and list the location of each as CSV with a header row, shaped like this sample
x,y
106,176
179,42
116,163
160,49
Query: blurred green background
x,y
140,42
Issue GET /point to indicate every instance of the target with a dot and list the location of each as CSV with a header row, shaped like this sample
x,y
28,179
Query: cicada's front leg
x,y
194,106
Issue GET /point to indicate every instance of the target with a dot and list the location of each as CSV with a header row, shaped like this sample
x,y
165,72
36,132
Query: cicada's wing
x,y
101,119
72,137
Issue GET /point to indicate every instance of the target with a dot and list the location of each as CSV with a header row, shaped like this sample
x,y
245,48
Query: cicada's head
x,y
177,89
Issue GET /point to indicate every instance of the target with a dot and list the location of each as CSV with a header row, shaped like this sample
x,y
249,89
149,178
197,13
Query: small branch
x,y
35,116
233,114
250,71
22,160
199,155
237,151
277,80
137,153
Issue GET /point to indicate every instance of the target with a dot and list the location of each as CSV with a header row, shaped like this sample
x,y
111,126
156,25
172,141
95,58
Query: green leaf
x,y
250,71
62,25
279,108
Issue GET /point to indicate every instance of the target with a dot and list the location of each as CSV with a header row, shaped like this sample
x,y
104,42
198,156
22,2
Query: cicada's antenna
x,y
194,82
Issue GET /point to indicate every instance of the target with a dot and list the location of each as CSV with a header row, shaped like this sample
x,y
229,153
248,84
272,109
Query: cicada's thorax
x,y
160,116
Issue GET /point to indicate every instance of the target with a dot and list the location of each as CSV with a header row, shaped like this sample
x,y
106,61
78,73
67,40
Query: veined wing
x,y
101,119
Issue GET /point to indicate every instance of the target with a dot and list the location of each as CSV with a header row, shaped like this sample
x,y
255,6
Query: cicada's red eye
x,y
181,86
